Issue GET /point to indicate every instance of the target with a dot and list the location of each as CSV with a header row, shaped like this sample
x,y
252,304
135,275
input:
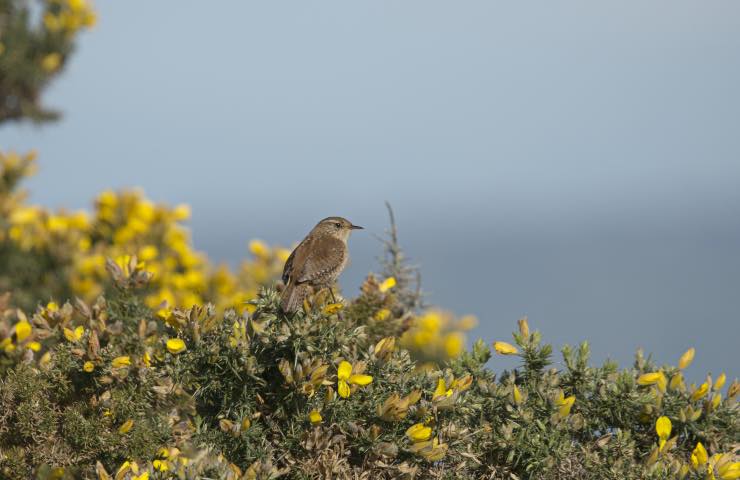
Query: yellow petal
x,y
126,427
677,382
123,469
181,212
175,345
22,330
517,395
505,348
343,388
699,455
419,432
720,382
387,284
454,344
649,378
344,370
332,308
661,383
686,358
45,358
122,361
35,346
69,334
315,417
565,406
730,471
441,389
259,249
700,392
360,379
88,366
382,314
79,331
663,427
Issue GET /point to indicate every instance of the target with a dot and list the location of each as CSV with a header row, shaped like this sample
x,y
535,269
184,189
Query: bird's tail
x,y
293,296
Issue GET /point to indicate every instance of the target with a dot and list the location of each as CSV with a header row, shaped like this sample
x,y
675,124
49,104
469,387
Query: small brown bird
x,y
316,262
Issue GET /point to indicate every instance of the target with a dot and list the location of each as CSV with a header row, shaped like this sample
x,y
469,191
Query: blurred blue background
x,y
576,162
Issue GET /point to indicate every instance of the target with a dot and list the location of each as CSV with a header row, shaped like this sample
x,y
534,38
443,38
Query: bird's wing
x,y
297,259
320,259
288,268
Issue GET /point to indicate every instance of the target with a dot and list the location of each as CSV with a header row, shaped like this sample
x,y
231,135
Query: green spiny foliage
x,y
237,401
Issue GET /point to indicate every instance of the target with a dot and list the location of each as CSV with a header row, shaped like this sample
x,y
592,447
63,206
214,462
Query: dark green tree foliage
x,y
36,37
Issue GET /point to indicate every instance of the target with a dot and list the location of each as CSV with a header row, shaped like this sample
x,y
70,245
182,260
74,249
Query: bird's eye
x,y
338,225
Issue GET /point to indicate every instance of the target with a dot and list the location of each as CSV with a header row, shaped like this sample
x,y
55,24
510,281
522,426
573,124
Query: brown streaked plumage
x,y
316,262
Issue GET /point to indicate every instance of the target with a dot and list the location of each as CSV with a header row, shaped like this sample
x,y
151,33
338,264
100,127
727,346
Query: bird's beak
x,y
356,227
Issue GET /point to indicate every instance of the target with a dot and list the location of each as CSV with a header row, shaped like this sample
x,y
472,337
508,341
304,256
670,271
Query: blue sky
x,y
577,162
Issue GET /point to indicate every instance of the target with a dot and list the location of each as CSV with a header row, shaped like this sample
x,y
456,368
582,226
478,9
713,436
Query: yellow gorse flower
x,y
51,62
677,382
74,335
126,427
441,390
564,404
382,314
126,467
419,432
175,345
88,366
649,378
332,308
315,417
699,456
122,361
505,348
430,450
387,284
720,382
259,249
663,429
434,336
345,379
516,395
454,344
686,358
147,359
23,330
654,378
700,392
729,470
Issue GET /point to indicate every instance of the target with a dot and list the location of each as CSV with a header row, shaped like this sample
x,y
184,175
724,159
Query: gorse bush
x,y
124,354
